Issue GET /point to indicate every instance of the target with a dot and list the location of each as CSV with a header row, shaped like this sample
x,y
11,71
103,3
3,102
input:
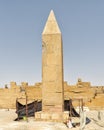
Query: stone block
x,y
52,116
38,115
57,116
66,115
45,116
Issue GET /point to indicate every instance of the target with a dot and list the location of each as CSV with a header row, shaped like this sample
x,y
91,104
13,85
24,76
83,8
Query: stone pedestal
x,y
54,117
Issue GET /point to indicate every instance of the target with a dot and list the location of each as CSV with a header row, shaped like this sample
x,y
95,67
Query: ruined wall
x,y
8,96
92,95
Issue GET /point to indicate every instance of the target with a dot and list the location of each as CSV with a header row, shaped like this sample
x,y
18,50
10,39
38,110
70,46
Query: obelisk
x,y
52,67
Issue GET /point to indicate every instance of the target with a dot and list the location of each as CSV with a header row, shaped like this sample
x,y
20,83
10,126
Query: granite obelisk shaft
x,y
52,67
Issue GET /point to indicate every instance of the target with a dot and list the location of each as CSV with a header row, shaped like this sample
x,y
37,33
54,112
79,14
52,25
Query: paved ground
x,y
7,122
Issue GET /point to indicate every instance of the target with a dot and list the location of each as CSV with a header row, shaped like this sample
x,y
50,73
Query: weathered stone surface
x,y
49,116
52,66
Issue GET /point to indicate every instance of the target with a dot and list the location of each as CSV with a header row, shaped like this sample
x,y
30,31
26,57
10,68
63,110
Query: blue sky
x,y
81,23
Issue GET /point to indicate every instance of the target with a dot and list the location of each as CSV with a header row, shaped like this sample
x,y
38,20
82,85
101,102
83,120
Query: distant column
x,y
52,67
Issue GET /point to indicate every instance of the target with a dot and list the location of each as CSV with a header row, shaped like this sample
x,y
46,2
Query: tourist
x,y
69,123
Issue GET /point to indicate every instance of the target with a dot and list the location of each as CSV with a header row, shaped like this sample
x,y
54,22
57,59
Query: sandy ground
x,y
7,122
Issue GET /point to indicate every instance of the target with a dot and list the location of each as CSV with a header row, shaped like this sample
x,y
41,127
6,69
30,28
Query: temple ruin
x,y
53,90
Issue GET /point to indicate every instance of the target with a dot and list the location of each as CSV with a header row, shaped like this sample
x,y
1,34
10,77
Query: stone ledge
x,y
54,117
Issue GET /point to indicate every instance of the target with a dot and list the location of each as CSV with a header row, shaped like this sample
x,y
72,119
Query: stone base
x,y
54,117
